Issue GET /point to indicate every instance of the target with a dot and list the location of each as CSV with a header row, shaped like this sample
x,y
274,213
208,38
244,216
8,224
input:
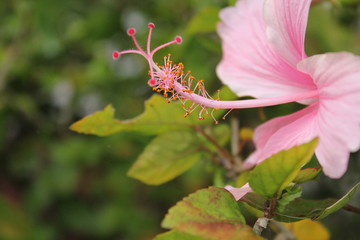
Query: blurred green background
x,y
56,67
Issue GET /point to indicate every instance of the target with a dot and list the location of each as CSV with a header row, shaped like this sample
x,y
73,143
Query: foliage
x,y
158,117
210,213
56,69
166,157
273,175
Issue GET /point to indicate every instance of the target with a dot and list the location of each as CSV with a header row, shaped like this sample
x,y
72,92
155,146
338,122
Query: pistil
x,y
175,84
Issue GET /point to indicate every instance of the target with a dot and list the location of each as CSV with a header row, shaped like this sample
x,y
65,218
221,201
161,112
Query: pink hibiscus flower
x,y
263,56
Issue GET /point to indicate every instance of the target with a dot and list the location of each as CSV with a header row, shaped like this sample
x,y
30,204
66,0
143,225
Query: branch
x,y
351,208
222,150
262,223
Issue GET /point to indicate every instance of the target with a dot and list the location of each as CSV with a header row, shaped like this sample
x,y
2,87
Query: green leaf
x,y
175,235
288,196
209,213
101,123
307,174
315,209
255,200
166,157
205,21
300,209
340,203
277,172
158,117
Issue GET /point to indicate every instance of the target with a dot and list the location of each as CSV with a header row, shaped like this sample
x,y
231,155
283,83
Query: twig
x,y
351,208
262,223
221,149
270,209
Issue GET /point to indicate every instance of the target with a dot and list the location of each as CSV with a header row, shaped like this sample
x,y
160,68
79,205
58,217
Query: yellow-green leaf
x,y
176,235
209,213
307,174
166,157
158,117
101,123
277,172
243,179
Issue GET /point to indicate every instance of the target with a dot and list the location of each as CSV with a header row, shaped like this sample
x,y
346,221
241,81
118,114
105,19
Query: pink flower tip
x,y
116,55
131,31
178,40
152,82
151,25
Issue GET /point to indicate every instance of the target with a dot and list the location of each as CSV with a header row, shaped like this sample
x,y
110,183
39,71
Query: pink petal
x,y
335,74
283,133
338,122
335,119
338,132
286,22
238,193
250,66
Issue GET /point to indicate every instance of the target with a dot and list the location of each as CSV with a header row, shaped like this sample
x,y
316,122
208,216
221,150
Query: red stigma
x,y
178,39
151,25
152,82
116,55
131,31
